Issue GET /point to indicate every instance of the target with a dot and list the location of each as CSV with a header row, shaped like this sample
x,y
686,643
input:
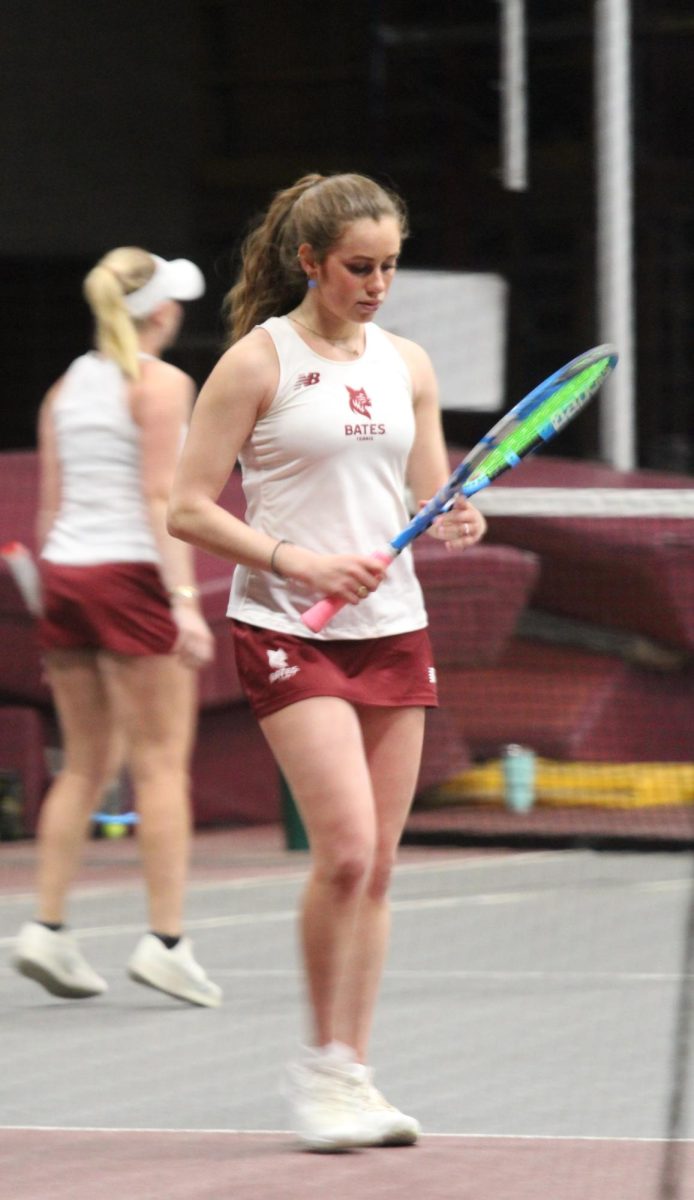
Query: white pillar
x,y
615,272
514,152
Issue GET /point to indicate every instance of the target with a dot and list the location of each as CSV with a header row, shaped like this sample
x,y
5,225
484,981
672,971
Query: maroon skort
x,y
120,607
277,669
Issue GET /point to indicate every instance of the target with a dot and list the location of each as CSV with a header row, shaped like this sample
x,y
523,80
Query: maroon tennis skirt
x,y
120,607
277,669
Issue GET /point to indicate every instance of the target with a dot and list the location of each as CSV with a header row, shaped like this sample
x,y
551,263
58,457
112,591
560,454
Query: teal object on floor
x,y
294,832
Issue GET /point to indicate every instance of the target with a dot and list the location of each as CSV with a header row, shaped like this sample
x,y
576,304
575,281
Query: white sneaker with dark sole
x,y
388,1126
53,959
325,1097
175,971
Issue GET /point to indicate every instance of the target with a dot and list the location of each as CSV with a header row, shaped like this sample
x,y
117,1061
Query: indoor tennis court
x,y
535,1014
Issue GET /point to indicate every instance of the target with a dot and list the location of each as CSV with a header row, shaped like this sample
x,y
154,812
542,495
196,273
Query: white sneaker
x,y
389,1126
53,959
325,1098
175,972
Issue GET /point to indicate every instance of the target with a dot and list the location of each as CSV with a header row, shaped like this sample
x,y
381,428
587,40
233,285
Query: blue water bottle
x,y
518,764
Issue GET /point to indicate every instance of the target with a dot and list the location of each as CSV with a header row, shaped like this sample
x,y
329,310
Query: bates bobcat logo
x,y
279,667
360,404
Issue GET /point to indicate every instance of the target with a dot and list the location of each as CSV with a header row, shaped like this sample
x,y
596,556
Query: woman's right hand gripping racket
x,y
536,419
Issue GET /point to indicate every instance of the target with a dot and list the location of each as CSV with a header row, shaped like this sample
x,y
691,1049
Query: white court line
x,y
544,976
479,900
86,891
233,919
470,975
463,975
515,1137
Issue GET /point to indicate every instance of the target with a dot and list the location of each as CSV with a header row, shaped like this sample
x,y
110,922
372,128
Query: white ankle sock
x,y
332,1052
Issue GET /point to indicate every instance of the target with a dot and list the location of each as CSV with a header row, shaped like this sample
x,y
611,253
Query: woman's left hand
x,y
461,527
195,643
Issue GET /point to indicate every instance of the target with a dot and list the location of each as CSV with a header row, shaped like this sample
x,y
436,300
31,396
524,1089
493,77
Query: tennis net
x,y
569,633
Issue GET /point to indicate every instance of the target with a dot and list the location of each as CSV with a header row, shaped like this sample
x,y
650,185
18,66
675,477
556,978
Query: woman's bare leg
x,y
85,717
156,702
393,741
318,746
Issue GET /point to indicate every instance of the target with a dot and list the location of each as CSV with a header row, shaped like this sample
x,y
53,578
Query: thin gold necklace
x,y
333,341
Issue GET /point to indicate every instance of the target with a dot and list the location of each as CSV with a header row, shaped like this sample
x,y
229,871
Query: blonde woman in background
x,y
122,632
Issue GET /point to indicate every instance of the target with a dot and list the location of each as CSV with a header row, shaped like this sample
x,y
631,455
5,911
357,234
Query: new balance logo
x,y
279,667
309,380
431,674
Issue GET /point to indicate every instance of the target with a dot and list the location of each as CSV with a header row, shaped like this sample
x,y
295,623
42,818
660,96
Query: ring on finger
x,y
362,592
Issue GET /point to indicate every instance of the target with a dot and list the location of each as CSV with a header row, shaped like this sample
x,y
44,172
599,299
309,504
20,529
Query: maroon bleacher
x,y
573,705
630,574
632,579
474,601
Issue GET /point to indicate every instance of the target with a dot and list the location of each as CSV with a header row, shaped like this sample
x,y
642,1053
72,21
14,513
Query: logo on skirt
x,y
279,667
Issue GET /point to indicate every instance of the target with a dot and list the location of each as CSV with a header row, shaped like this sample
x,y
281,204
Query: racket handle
x,y
22,567
323,611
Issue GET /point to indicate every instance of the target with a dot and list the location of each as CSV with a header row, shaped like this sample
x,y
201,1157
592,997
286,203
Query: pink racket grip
x,y
323,611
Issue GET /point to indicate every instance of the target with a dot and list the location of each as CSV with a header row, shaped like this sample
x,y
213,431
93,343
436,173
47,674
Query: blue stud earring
x,y
312,283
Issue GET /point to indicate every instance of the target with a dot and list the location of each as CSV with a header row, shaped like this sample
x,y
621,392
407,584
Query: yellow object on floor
x,y
575,785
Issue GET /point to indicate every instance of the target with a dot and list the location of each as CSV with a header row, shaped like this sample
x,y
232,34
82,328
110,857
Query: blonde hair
x,y
117,274
316,209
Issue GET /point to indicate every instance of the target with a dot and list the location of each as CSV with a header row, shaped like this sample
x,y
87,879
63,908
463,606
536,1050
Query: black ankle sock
x,y
169,941
54,926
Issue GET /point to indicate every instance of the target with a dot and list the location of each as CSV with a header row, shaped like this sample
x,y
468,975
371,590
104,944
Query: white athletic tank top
x,y
103,516
325,469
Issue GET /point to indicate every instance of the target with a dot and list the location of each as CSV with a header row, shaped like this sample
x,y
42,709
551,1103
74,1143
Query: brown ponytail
x,y
315,210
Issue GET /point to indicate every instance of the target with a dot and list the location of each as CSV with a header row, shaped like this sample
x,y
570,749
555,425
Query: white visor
x,y
176,280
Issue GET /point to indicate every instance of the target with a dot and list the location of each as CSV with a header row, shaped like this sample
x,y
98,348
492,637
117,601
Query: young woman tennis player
x,y
122,631
331,418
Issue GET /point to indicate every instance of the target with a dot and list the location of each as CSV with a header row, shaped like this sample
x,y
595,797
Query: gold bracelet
x,y
184,591
273,568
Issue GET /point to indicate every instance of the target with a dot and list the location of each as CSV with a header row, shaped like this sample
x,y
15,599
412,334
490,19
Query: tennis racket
x,y
534,420
22,567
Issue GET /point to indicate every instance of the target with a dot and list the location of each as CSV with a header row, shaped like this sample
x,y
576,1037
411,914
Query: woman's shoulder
x,y
162,393
83,373
414,356
253,359
50,397
244,377
156,372
410,351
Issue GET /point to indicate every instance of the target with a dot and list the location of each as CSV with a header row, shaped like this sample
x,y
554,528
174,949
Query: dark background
x,y
169,123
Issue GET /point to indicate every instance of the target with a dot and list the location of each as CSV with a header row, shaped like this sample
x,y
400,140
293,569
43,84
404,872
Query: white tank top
x,y
325,469
103,516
